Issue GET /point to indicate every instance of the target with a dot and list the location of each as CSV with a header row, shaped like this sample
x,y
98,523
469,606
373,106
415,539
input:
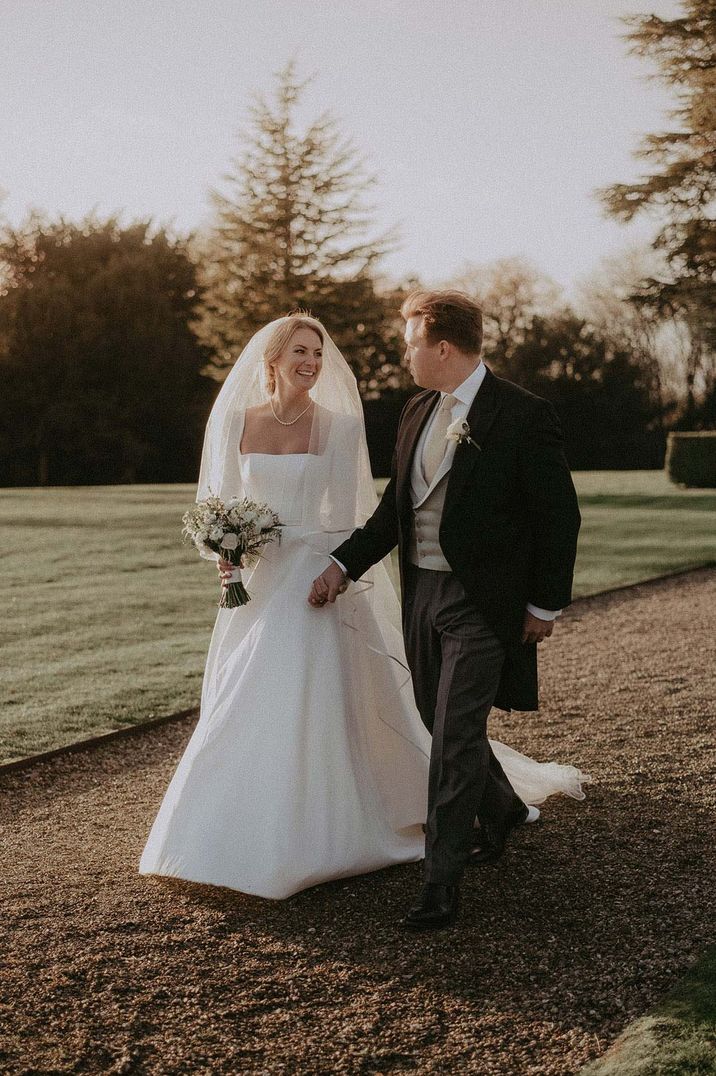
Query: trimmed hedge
x,y
691,458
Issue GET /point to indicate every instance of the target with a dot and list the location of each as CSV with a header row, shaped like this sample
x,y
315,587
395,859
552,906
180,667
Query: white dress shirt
x,y
464,394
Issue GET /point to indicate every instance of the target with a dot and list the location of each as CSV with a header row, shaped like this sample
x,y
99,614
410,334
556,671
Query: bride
x,y
309,761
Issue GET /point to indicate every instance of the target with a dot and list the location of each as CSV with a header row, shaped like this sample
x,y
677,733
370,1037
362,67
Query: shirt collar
x,y
467,390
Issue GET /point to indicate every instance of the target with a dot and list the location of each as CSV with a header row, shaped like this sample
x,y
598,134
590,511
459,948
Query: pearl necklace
x,y
293,420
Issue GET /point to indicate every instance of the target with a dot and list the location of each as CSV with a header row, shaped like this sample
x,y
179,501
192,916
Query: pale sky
x,y
488,122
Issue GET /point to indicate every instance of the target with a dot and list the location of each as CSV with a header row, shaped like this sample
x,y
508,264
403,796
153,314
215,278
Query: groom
x,y
483,509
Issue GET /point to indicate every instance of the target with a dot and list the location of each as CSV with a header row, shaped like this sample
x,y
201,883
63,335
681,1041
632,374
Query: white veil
x,y
329,509
338,411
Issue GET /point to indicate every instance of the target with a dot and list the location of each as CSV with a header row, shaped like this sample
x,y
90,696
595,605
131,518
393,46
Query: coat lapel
x,y
441,471
409,434
479,418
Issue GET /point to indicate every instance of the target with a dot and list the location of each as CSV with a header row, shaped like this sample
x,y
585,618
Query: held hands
x,y
535,630
327,586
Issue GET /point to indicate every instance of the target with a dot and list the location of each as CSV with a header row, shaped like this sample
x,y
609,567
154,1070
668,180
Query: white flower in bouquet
x,y
238,531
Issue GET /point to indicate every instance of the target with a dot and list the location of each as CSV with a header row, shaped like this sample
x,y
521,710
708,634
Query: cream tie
x,y
435,444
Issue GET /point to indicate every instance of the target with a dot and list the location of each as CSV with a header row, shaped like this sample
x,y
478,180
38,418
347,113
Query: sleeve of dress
x,y
375,539
220,472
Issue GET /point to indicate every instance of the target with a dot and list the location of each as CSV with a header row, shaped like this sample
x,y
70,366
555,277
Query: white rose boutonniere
x,y
459,431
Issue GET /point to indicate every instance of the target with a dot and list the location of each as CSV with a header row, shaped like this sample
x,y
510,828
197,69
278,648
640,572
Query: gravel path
x,y
590,916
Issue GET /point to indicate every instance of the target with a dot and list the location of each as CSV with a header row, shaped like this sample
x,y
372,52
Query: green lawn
x,y
108,614
636,525
678,1037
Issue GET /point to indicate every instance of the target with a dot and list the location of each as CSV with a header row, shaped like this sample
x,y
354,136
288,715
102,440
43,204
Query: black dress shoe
x,y
435,907
493,838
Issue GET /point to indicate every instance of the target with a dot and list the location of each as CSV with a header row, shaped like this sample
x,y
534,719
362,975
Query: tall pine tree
x,y
292,230
682,186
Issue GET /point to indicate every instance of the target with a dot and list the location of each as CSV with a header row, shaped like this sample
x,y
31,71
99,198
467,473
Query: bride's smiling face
x,y
300,362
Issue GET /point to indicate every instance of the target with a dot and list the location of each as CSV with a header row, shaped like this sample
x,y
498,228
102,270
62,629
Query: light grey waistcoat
x,y
423,546
428,501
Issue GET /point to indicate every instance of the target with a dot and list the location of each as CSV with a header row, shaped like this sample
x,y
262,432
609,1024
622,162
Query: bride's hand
x,y
224,568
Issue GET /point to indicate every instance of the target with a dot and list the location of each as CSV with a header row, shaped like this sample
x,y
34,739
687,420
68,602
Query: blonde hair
x,y
279,339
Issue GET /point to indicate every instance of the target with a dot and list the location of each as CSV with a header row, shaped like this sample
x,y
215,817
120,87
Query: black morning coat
x,y
509,524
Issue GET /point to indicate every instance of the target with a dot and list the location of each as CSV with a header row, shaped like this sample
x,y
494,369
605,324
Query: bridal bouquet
x,y
237,531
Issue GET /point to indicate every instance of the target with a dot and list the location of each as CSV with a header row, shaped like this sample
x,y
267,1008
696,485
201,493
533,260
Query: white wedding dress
x,y
309,761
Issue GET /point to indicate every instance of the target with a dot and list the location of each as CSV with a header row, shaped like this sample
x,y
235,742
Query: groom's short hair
x,y
447,315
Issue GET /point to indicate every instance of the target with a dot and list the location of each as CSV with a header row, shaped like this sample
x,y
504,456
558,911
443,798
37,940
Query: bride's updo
x,y
280,338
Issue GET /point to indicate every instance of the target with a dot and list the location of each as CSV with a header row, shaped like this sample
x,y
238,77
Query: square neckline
x,y
245,455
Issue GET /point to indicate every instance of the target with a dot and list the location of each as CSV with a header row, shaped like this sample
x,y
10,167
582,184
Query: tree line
x,y
114,337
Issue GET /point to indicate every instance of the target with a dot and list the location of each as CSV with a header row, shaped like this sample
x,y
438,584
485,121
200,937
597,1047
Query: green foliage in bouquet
x,y
237,531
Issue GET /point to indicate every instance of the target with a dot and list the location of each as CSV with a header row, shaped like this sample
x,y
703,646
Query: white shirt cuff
x,y
543,614
341,566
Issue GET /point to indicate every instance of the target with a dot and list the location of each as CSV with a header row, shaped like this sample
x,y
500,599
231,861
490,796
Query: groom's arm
x,y
375,539
366,546
551,500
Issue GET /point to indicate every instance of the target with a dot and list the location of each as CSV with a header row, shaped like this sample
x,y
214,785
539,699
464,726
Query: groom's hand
x,y
535,630
327,586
